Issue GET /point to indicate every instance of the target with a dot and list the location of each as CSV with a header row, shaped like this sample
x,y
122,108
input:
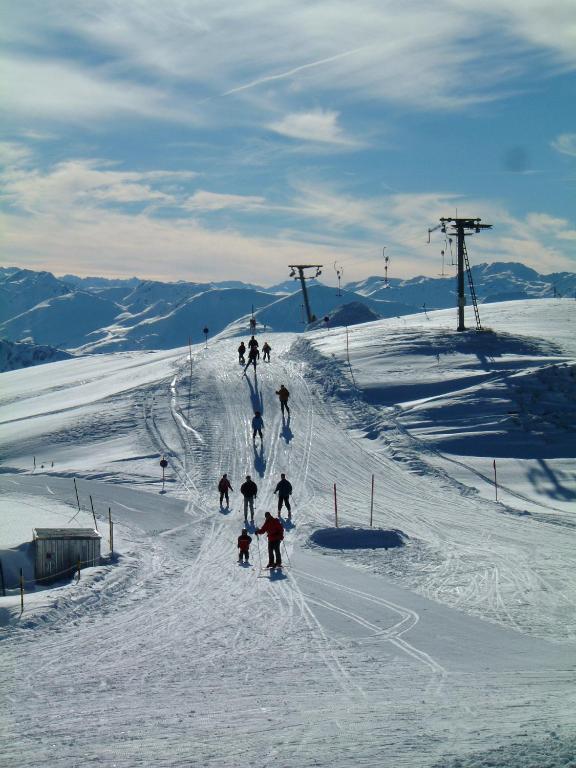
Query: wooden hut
x,y
58,551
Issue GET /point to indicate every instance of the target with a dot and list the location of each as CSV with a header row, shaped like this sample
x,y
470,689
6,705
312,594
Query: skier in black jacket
x,y
249,490
284,491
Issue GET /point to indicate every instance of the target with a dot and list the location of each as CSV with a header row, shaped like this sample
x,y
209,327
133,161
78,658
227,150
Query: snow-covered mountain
x,y
95,314
65,321
14,355
499,281
22,289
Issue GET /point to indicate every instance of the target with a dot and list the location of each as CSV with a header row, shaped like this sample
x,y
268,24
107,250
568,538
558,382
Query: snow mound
x,y
352,313
358,538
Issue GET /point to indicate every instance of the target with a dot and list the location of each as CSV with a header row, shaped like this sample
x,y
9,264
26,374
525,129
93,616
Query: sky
x,y
211,140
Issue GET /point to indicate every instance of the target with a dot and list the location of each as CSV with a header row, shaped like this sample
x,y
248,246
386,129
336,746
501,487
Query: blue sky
x,y
218,140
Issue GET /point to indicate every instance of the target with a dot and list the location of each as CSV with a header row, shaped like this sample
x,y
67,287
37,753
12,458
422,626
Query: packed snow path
x,y
183,657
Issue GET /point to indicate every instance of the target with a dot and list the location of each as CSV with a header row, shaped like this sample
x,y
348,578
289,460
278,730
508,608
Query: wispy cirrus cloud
x,y
565,143
203,200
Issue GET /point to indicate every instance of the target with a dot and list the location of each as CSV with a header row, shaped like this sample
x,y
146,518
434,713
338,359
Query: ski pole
x,y
259,555
286,553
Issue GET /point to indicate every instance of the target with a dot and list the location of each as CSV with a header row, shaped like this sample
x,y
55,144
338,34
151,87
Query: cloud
x,y
318,125
213,201
85,183
13,153
63,91
149,59
565,143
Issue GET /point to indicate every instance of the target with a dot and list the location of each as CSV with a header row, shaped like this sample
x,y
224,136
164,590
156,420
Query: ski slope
x,y
455,649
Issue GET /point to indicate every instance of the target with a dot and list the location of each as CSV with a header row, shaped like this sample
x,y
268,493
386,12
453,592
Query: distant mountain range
x,y
96,314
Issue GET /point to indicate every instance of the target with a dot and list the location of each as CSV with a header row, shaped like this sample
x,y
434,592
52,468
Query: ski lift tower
x,y
461,227
302,277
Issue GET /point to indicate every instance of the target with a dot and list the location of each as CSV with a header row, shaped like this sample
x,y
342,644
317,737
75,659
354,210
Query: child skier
x,y
244,541
241,353
266,349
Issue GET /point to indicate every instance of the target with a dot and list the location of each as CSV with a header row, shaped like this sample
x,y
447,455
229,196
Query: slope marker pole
x,y
335,507
495,480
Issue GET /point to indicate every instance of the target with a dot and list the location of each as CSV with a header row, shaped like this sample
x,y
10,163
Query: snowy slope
x,y
456,649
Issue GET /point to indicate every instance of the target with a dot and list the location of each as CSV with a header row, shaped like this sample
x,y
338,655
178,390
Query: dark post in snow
x,y
495,480
335,507
21,591
111,527
163,464
302,277
93,513
77,497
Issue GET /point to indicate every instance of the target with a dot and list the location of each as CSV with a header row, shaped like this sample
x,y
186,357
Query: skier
x,y
273,527
284,490
224,486
252,343
244,542
253,355
283,394
249,490
241,353
257,424
266,349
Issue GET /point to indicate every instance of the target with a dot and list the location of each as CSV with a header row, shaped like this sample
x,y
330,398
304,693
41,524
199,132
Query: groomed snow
x,y
455,649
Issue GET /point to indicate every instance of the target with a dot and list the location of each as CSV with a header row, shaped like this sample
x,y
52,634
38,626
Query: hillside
x,y
441,634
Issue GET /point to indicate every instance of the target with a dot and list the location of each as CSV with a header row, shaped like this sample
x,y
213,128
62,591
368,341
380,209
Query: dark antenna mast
x,y
302,277
461,227
386,260
339,274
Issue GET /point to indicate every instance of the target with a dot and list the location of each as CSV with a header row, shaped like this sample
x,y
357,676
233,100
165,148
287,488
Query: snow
x,y
441,637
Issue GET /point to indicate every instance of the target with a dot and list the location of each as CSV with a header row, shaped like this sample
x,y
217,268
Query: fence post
x,y
335,506
77,497
93,514
111,531
21,592
78,567
372,502
495,480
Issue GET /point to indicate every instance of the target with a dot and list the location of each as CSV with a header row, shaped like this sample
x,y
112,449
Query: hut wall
x,y
56,557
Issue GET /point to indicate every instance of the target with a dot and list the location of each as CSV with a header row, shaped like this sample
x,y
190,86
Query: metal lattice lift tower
x,y
461,227
302,277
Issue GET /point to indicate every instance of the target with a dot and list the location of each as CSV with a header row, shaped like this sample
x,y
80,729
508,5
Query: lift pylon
x,y
302,277
460,228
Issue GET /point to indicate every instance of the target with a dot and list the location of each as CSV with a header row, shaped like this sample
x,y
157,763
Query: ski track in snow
x,y
183,658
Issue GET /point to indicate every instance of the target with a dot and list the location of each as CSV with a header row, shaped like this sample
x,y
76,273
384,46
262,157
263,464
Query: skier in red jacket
x,y
275,530
224,486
